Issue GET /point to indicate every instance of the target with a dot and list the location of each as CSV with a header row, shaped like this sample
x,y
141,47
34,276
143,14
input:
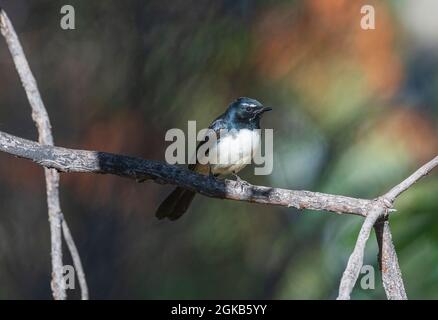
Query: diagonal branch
x,y
388,262
71,160
392,194
355,261
41,119
76,259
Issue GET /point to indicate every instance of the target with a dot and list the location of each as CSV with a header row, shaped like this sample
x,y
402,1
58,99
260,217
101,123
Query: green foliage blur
x,y
355,112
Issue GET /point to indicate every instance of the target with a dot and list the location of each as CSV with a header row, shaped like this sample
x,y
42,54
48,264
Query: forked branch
x,y
42,121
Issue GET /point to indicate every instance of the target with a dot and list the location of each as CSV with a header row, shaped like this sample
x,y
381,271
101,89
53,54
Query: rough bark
x,y
72,160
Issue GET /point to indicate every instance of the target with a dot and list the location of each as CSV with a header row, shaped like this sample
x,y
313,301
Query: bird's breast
x,y
235,150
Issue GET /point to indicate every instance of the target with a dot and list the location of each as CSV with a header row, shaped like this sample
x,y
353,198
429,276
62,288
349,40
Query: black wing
x,y
217,125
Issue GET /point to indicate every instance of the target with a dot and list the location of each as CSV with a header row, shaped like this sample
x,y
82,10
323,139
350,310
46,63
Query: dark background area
x,y
355,112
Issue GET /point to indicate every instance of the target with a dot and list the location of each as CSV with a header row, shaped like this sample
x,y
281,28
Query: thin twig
x,y
392,194
76,259
355,261
41,119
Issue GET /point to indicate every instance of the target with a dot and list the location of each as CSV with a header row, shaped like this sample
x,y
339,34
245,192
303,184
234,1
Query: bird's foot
x,y
240,180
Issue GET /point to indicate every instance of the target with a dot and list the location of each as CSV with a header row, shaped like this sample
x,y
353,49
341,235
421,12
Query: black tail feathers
x,y
175,204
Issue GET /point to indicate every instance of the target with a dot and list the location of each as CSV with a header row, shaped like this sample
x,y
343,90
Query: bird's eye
x,y
248,108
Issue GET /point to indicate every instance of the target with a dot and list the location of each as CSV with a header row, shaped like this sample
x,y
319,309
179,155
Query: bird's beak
x,y
264,109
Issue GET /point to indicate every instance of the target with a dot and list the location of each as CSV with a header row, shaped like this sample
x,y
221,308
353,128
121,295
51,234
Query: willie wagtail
x,y
240,142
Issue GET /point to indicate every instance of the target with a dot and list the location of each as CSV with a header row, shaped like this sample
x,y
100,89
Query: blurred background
x,y
355,112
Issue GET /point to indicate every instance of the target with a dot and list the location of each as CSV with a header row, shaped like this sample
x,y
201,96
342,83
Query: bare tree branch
x,y
388,263
392,194
71,160
391,273
41,119
76,259
355,261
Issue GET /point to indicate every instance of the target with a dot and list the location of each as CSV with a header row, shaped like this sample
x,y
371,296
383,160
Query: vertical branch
x,y
388,262
41,119
55,220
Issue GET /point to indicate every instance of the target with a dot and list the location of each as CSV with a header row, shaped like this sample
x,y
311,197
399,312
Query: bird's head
x,y
247,110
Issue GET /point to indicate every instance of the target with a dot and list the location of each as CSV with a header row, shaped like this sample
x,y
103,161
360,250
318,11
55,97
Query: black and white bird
x,y
237,141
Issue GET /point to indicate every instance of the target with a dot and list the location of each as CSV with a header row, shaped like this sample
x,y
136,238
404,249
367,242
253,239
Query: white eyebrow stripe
x,y
248,104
